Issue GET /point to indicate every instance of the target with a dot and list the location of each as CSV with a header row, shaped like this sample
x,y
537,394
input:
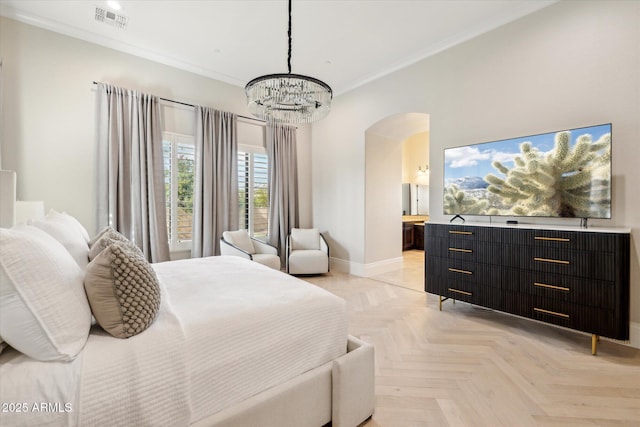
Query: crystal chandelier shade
x,y
288,98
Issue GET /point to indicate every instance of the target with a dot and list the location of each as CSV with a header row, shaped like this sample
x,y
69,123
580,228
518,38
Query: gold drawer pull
x,y
556,261
552,239
544,285
460,292
540,310
468,233
466,251
455,270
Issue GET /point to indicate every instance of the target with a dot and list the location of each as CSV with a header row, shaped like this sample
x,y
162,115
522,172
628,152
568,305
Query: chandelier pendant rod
x,y
289,35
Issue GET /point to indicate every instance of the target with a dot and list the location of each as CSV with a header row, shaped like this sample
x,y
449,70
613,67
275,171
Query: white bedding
x,y
228,329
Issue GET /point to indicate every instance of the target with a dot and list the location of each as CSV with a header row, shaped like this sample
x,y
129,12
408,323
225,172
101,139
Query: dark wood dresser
x,y
576,278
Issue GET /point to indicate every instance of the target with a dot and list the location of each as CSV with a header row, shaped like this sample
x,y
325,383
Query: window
x,y
179,159
253,191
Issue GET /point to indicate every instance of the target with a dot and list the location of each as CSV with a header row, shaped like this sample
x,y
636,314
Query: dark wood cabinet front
x,y
418,236
412,236
407,236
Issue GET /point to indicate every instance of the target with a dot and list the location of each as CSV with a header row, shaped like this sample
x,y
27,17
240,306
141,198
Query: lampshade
x,y
288,98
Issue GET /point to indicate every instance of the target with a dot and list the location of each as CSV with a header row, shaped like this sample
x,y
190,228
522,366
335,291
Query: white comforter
x,y
228,329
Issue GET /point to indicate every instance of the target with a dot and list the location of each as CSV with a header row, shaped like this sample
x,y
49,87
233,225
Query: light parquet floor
x,y
468,366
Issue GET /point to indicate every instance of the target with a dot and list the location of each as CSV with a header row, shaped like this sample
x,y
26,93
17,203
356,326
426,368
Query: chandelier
x,y
288,98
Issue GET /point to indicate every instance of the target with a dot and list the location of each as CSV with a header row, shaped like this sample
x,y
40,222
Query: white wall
x,y
415,154
415,163
383,200
572,64
49,105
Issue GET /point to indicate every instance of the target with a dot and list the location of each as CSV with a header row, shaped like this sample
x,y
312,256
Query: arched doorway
x,y
383,188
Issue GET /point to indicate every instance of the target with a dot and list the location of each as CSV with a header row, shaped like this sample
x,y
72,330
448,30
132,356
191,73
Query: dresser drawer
x,y
466,250
594,265
592,293
597,321
485,234
565,240
472,293
516,303
456,270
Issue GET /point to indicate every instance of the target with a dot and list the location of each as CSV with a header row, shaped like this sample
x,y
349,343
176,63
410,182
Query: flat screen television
x,y
565,173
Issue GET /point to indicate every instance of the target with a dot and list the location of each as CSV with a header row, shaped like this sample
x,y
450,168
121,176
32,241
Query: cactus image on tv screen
x,y
557,174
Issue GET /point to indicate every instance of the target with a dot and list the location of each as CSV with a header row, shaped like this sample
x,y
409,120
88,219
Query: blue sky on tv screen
x,y
475,160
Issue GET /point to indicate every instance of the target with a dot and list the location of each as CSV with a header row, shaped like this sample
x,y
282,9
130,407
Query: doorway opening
x,y
396,162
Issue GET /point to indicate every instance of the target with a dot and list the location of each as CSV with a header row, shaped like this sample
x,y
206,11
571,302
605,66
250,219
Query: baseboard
x,y
381,267
340,265
365,270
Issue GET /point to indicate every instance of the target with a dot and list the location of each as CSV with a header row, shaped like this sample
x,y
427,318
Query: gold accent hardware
x,y
460,292
594,343
556,261
468,233
540,310
467,251
544,285
455,270
553,239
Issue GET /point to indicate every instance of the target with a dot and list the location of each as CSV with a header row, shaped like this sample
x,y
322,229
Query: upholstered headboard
x,y
14,211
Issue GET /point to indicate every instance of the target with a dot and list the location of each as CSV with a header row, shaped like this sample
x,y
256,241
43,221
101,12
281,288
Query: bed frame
x,y
340,392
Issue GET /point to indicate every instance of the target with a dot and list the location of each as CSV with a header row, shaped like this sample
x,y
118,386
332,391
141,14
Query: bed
x,y
233,343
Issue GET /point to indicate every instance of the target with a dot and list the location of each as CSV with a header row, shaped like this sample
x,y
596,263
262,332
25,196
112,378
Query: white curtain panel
x,y
283,184
130,179
215,196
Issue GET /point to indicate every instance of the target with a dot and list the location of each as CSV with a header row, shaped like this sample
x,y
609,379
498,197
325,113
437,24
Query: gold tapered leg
x,y
441,300
594,343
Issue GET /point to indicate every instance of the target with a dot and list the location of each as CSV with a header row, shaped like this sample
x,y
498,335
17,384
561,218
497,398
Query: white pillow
x,y
305,238
241,239
44,312
68,231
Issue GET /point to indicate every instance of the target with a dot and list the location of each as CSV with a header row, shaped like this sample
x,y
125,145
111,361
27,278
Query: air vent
x,y
111,18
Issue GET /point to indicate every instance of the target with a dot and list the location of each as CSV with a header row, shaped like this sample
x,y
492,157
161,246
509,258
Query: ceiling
x,y
345,43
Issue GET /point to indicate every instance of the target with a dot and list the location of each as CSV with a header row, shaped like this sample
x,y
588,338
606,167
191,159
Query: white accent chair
x,y
238,243
307,252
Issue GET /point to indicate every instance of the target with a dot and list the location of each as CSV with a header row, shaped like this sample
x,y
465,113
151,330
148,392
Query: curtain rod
x,y
193,106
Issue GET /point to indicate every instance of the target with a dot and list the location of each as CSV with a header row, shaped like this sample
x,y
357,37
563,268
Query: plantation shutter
x,y
253,192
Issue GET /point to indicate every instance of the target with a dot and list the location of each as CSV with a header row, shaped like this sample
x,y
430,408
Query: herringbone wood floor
x,y
467,366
